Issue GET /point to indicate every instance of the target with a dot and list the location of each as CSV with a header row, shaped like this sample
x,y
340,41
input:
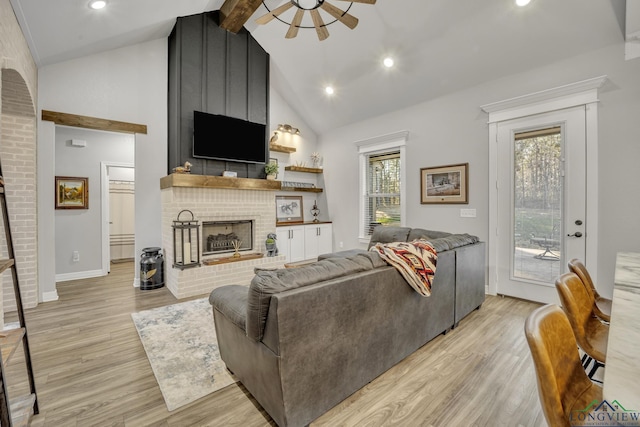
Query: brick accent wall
x,y
18,160
18,155
212,204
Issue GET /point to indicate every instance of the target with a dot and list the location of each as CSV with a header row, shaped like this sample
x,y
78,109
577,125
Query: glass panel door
x,y
537,196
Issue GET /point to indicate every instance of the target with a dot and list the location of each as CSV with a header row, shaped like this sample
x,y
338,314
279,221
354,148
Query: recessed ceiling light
x,y
329,90
522,2
97,4
388,62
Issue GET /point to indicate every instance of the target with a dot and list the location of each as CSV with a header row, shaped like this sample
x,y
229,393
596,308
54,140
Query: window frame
x,y
394,142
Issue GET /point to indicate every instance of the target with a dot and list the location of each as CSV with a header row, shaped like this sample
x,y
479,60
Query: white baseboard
x,y
49,296
79,275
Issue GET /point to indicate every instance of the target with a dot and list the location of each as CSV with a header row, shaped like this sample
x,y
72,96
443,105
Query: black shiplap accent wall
x,y
218,72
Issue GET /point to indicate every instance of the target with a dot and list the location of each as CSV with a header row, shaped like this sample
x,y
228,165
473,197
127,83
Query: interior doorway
x,y
118,219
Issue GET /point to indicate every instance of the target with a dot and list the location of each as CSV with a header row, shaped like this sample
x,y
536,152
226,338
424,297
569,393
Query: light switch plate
x,y
467,213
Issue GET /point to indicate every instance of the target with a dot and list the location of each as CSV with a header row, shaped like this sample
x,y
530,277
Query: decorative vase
x,y
271,176
236,245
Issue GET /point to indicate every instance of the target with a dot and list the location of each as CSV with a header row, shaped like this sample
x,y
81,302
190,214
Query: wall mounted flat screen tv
x,y
220,137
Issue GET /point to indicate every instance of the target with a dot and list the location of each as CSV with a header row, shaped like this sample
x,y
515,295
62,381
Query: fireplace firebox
x,y
218,236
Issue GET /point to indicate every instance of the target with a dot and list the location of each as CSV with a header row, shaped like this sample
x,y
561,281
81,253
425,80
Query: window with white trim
x,y
382,200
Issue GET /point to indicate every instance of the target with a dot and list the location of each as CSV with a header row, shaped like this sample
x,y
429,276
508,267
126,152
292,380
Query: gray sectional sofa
x,y
301,340
469,260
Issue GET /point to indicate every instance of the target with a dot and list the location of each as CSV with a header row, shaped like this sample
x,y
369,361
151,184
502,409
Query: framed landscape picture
x,y
445,184
72,192
289,209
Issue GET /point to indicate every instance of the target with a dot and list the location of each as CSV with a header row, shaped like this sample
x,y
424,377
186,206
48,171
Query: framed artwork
x,y
445,184
72,192
289,209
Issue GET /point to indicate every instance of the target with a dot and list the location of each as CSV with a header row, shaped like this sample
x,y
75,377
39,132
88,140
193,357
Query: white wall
x,y
306,143
81,229
127,84
453,129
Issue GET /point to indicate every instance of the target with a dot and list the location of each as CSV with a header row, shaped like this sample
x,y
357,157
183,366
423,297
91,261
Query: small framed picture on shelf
x,y
72,192
289,210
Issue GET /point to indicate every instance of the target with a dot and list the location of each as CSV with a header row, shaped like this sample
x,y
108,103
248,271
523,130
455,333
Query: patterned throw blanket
x,y
416,261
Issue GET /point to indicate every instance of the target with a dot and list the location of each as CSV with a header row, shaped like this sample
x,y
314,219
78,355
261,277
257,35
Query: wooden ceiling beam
x,y
235,13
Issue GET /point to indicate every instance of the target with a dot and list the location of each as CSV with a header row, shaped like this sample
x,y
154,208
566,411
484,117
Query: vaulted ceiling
x,y
439,46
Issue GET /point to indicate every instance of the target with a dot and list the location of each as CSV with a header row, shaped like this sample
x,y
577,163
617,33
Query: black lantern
x,y
185,237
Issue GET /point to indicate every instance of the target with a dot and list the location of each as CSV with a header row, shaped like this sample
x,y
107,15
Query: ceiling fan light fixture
x,y
313,7
307,4
97,4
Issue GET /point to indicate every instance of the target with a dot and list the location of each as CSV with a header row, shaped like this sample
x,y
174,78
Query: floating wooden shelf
x,y
303,169
282,148
308,190
208,181
225,260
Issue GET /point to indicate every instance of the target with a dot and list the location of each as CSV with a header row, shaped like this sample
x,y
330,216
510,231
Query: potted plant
x,y
271,169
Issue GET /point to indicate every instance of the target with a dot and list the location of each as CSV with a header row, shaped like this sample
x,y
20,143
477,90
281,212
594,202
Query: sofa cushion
x,y
421,233
388,234
457,240
268,282
341,254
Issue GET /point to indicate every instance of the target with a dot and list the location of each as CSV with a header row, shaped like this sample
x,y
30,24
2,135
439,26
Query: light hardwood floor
x,y
91,370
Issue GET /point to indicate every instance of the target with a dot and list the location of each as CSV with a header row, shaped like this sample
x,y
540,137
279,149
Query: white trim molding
x,y
571,95
64,277
49,296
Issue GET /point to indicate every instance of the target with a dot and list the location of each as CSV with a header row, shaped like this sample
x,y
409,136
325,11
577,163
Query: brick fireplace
x,y
224,201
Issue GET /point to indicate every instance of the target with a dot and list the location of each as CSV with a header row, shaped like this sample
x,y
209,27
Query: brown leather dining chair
x,y
590,333
563,386
602,307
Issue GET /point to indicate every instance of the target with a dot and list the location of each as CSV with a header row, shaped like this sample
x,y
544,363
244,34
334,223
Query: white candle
x,y
187,253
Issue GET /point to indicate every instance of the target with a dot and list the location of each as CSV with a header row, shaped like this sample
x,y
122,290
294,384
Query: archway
x,y
18,159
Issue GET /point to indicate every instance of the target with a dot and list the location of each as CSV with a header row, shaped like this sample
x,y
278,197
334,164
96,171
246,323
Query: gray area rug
x,y
180,342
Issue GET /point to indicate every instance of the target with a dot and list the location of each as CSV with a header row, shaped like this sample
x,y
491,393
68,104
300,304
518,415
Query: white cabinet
x,y
317,240
290,241
304,242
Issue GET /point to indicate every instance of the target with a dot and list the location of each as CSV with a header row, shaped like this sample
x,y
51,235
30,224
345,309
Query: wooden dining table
x,y
622,370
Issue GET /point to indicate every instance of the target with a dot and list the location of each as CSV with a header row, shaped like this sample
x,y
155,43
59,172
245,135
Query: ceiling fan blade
x,y
295,24
362,1
321,29
342,16
264,19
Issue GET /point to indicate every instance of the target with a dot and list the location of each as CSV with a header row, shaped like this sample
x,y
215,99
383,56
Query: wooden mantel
x,y
207,181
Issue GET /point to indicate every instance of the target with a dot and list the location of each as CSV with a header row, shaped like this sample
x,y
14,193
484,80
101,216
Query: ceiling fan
x,y
313,7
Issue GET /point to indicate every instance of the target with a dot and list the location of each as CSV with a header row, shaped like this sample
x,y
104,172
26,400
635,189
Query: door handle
x,y
576,234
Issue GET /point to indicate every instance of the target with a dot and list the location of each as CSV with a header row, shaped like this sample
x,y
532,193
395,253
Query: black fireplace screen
x,y
219,236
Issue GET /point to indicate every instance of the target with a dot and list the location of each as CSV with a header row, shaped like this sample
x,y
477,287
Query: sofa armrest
x,y
231,301
470,279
